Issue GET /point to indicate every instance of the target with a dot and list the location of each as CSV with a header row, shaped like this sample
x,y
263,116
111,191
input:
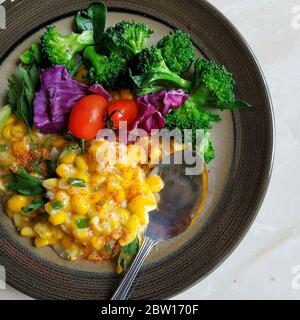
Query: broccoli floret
x,y
32,55
178,51
125,38
206,148
105,70
213,85
151,74
61,50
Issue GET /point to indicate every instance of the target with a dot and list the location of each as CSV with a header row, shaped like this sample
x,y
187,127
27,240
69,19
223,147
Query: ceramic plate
x,y
238,177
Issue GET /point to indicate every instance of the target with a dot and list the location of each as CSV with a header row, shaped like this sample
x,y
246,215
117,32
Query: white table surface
x,y
266,265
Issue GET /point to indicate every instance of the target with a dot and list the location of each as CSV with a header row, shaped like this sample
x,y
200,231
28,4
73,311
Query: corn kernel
x,y
62,196
69,158
6,132
57,233
141,203
65,170
39,242
59,142
11,119
155,183
133,224
17,202
52,241
128,238
126,94
50,184
80,163
20,148
97,179
19,131
43,230
58,218
97,243
123,214
82,176
96,197
81,234
28,232
119,269
80,205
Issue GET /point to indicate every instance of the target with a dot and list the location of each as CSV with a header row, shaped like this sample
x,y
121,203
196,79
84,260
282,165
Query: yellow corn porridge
x,y
95,205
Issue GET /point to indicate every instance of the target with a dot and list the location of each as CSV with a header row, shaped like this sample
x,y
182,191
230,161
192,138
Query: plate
x,y
244,143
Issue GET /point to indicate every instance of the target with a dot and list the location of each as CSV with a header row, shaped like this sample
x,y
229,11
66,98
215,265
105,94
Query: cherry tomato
x,y
88,116
122,110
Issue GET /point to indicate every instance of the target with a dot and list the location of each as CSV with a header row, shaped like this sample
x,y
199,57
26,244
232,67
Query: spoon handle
x,y
129,278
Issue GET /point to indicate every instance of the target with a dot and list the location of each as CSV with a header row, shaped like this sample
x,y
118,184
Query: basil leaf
x,y
24,184
21,92
57,205
76,182
92,19
82,223
34,206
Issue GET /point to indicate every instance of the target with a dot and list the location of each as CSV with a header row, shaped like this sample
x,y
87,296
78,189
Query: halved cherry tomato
x,y
88,116
122,110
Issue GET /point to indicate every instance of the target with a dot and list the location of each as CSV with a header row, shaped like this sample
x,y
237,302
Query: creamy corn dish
x,y
87,205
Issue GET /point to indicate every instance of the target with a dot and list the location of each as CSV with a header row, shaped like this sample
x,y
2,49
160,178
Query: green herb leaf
x,y
50,165
82,223
128,254
57,205
92,19
76,182
34,206
24,184
21,92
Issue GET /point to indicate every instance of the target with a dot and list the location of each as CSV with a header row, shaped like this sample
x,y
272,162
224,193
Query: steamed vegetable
x,y
61,50
153,108
105,69
58,95
213,86
151,73
32,55
21,91
178,51
125,39
88,117
206,148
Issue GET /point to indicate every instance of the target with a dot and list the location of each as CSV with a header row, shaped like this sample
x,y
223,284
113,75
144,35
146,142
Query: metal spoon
x,y
178,207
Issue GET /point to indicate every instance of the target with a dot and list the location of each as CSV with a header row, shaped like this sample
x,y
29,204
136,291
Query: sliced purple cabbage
x,y
153,107
58,95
